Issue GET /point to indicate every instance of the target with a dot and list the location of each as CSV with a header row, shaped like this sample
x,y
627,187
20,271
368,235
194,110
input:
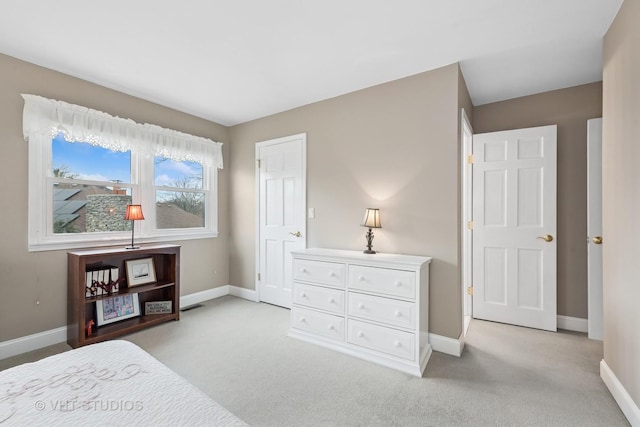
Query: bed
x,y
113,383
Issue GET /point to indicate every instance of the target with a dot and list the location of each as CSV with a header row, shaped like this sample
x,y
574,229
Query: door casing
x,y
594,223
466,169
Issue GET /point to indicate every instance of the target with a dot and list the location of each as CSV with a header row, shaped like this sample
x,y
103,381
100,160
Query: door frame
x,y
261,144
466,213
594,288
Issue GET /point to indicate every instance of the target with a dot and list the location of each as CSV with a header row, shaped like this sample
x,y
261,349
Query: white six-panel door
x,y
281,170
514,227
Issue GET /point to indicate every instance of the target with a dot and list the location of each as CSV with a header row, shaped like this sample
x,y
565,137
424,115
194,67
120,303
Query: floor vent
x,y
191,307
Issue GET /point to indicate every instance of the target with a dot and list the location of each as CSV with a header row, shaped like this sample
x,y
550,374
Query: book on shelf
x,y
98,280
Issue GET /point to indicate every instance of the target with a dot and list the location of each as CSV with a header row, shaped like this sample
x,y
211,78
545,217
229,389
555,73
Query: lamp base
x,y
369,237
132,247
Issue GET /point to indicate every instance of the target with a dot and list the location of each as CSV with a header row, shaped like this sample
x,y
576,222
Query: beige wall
x,y
28,277
621,197
569,109
392,146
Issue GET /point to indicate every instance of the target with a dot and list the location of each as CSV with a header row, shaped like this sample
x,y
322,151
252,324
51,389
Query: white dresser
x,y
375,306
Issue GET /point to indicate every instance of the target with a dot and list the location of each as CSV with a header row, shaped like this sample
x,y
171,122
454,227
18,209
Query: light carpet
x,y
238,353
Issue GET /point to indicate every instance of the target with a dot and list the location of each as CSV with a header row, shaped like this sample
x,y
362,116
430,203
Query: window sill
x,y
56,246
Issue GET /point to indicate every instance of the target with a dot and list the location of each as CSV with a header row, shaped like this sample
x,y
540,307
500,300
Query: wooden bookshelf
x,y
81,309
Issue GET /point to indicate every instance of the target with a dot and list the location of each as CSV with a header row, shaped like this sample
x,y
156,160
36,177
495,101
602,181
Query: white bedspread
x,y
114,383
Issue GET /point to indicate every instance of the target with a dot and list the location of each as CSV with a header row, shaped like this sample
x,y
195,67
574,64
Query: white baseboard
x,y
575,324
198,297
620,394
220,291
59,335
32,342
446,345
244,293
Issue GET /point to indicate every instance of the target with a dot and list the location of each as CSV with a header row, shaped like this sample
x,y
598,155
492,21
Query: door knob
x,y
547,238
296,234
597,240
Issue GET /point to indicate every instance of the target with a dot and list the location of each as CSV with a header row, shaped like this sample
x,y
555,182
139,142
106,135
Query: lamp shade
x,y
371,218
134,213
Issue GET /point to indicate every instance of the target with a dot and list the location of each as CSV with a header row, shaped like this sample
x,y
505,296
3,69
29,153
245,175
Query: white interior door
x,y
281,176
514,229
594,224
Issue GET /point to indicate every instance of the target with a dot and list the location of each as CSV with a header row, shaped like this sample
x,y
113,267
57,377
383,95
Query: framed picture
x,y
118,308
157,307
140,271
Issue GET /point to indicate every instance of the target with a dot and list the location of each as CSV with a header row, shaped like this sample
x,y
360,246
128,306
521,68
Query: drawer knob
x,y
302,319
331,327
360,334
331,301
398,313
332,274
303,295
397,344
303,270
361,278
361,306
398,284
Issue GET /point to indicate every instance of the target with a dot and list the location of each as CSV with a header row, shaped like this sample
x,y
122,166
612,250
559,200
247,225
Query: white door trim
x,y
594,228
259,145
466,142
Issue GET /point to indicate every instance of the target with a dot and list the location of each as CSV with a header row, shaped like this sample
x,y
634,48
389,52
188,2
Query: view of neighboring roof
x,y
67,207
65,210
68,203
169,215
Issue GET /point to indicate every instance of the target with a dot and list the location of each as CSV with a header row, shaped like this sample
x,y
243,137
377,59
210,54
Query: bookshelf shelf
x,y
82,309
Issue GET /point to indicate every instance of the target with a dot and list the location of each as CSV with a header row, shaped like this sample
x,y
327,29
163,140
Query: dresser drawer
x,y
326,273
323,324
319,297
380,309
386,340
398,283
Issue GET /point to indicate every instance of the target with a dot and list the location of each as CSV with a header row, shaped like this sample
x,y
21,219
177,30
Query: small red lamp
x,y
134,213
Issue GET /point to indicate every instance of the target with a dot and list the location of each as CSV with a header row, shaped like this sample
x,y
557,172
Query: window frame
x,y
209,182
40,227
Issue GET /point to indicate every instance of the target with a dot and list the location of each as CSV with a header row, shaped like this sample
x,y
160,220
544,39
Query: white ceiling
x,y
231,61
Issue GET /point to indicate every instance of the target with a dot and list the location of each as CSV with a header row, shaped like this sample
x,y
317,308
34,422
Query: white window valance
x,y
43,116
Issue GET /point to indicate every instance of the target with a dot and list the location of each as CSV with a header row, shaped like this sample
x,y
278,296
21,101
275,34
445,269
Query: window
x,y
180,199
90,188
81,180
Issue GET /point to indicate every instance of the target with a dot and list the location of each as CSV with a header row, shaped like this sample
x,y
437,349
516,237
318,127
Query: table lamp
x,y
371,220
134,213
